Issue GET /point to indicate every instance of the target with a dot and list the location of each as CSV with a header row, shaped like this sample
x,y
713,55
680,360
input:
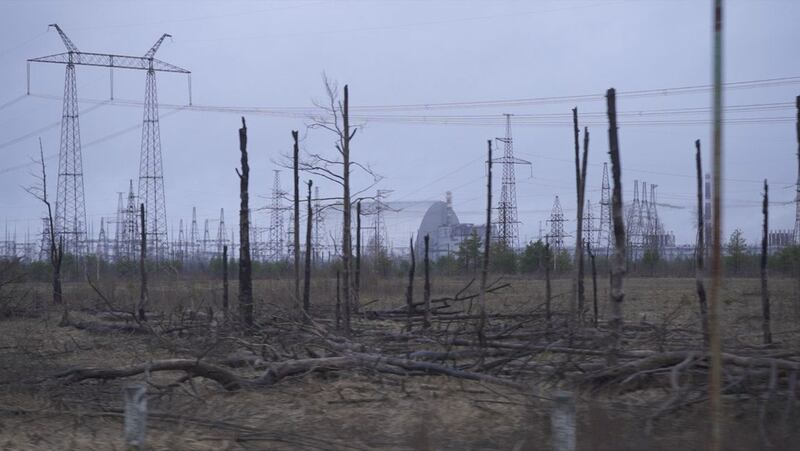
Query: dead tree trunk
x,y
576,306
700,251
225,279
338,301
618,261
487,238
358,253
56,257
410,288
596,316
296,244
797,206
56,251
427,290
548,292
142,266
347,242
307,273
764,254
245,268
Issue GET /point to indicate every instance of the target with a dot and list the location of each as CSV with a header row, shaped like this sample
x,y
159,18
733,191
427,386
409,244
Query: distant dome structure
x,y
392,224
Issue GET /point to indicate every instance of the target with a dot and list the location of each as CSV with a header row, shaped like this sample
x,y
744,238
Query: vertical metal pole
x,y
716,263
190,89
29,78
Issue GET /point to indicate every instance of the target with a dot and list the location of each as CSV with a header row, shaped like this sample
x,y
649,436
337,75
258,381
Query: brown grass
x,y
354,409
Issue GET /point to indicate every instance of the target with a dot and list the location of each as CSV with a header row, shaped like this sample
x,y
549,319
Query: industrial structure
x,y
70,218
507,225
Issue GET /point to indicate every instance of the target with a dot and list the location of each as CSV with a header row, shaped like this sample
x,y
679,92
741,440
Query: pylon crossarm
x,y
108,60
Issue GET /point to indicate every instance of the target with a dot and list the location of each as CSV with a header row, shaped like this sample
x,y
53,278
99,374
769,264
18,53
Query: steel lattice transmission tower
x,y
222,236
507,221
605,236
556,236
70,221
275,241
70,209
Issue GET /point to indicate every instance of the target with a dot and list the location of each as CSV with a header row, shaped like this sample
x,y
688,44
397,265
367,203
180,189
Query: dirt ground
x,y
360,409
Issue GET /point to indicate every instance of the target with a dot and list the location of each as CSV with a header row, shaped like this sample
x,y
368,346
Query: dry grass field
x,y
359,408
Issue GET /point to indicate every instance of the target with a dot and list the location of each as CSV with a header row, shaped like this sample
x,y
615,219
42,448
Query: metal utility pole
x,y
507,221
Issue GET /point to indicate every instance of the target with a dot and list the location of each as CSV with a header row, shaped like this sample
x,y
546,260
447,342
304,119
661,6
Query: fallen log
x,y
279,371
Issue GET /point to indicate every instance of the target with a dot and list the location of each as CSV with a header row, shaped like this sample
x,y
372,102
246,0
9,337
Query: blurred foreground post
x,y
135,415
562,422
715,346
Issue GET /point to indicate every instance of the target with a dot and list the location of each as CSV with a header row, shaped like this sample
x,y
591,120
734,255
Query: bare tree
x,y
56,249
580,181
358,252
410,287
548,294
487,238
595,316
427,292
225,279
245,268
618,260
307,273
296,244
143,295
764,253
700,251
335,118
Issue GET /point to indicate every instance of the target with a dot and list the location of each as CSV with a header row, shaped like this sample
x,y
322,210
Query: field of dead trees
x,y
394,381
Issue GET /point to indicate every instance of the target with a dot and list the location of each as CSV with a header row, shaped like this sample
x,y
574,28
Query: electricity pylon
x,y
70,206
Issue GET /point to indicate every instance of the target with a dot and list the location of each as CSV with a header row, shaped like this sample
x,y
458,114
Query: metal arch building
x,y
394,223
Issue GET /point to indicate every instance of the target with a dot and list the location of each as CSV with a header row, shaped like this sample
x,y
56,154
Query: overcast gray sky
x,y
272,54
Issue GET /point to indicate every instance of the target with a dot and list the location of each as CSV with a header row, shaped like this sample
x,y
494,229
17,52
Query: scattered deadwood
x,y
278,371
